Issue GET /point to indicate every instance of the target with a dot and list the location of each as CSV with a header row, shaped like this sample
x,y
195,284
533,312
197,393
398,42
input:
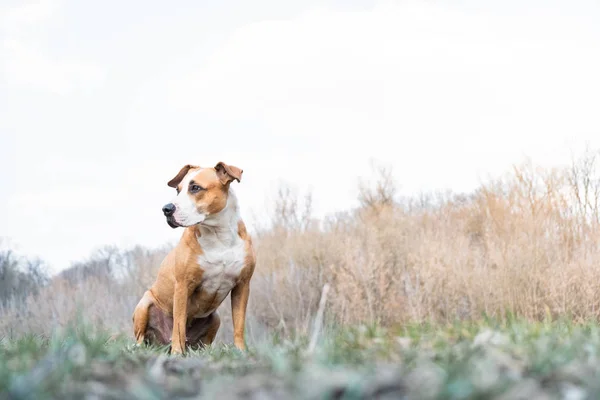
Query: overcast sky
x,y
101,103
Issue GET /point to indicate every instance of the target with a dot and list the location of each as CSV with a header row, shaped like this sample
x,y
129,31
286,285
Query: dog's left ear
x,y
227,173
180,175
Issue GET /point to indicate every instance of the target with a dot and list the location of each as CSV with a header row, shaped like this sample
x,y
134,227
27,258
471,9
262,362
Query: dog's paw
x,y
176,351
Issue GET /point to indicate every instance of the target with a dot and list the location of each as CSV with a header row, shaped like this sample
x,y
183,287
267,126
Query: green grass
x,y
468,360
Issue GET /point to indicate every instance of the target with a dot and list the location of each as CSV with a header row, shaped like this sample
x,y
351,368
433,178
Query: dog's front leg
x,y
179,318
239,301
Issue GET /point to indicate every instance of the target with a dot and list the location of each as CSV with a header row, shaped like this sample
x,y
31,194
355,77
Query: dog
x,y
214,258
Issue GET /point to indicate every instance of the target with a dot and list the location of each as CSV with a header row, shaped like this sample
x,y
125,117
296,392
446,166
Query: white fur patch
x,y
221,263
224,252
186,212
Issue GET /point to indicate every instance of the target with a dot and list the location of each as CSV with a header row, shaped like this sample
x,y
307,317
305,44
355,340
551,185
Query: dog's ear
x,y
179,177
227,173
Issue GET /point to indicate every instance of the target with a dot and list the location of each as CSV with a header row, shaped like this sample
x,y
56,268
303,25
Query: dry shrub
x,y
525,244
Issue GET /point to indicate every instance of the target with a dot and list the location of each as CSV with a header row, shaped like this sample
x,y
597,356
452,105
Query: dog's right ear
x,y
180,175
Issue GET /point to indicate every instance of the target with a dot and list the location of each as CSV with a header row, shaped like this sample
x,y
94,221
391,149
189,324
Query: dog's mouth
x,y
172,223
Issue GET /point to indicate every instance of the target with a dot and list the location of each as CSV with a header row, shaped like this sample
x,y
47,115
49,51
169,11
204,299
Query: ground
x,y
467,360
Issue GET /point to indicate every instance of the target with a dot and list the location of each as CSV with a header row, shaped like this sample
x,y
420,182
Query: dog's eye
x,y
195,188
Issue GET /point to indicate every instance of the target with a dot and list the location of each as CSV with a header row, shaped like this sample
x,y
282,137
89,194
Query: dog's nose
x,y
169,209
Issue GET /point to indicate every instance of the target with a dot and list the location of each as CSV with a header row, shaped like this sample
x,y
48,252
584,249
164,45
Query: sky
x,y
101,103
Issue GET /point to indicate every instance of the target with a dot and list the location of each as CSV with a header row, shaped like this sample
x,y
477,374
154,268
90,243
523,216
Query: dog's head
x,y
201,192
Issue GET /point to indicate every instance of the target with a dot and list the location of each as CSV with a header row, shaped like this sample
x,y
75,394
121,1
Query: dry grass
x,y
525,244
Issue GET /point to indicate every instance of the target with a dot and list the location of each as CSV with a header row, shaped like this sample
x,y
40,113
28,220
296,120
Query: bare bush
x,y
379,191
19,278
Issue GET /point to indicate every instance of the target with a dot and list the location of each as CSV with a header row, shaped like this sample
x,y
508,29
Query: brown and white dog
x,y
213,258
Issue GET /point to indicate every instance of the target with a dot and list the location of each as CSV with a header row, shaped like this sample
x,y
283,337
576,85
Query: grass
x,y
467,360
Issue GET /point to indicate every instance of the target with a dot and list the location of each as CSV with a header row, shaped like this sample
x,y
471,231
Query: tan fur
x,y
176,302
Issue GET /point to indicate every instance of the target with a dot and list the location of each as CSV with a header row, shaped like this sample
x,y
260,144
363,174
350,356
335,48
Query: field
x,y
490,294
511,360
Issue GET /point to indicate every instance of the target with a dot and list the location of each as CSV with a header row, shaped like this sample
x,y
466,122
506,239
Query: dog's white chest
x,y
221,264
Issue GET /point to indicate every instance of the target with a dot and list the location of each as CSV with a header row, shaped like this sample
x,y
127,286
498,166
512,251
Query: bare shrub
x,y
19,278
379,191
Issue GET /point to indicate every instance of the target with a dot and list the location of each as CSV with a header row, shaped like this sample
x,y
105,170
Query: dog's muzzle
x,y
169,210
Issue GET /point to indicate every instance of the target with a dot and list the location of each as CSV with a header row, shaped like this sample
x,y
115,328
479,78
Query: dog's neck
x,y
221,227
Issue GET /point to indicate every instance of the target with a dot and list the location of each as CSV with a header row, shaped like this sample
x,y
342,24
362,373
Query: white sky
x,y
101,103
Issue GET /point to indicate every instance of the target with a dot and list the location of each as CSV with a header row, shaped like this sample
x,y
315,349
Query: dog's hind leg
x,y
202,331
211,331
140,317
